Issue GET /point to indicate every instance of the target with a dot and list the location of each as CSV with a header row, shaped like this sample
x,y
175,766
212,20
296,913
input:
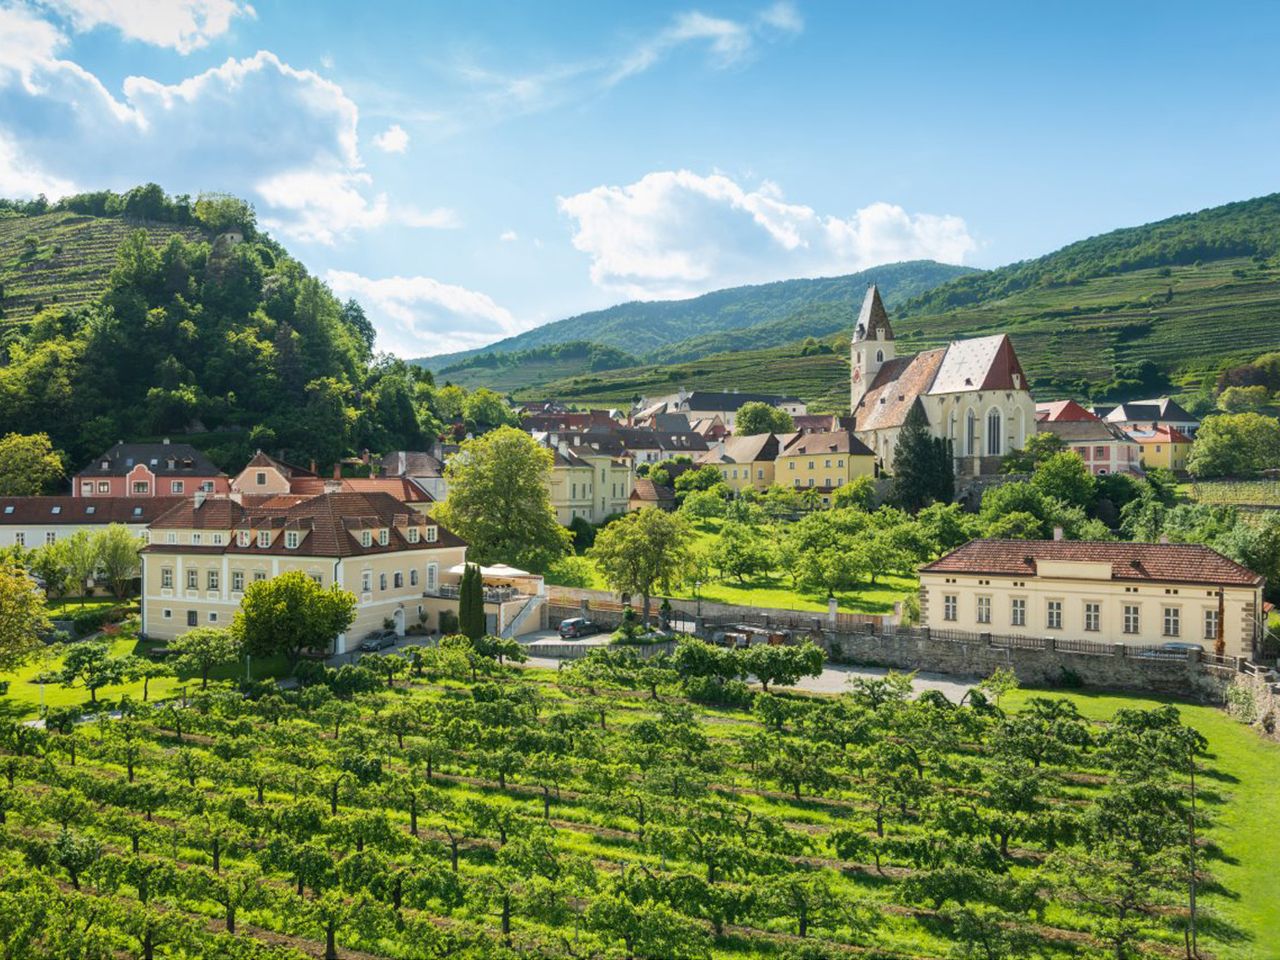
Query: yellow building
x,y
203,553
745,462
1136,594
589,483
1163,446
823,461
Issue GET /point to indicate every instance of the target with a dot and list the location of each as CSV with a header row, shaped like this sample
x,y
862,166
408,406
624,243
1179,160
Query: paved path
x,y
833,679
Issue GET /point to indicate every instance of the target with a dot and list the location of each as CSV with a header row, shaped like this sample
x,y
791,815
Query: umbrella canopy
x,y
497,570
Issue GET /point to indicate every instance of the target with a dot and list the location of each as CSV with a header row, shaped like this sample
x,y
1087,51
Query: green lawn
x,y
65,607
25,696
1243,790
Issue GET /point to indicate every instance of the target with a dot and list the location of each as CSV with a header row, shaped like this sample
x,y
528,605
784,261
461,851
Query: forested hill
x,y
649,328
1248,228
140,315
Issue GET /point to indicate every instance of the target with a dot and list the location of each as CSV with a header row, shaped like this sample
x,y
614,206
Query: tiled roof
x,y
412,463
123,457
1161,434
748,449
329,521
895,389
815,444
1092,430
27,511
1063,411
646,490
984,363
1146,562
261,459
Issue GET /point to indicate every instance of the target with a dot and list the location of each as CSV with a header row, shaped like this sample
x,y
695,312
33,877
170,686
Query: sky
x,y
471,170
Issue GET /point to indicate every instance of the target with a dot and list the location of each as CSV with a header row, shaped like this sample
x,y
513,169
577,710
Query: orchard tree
x,y
117,551
784,664
741,550
291,613
645,549
24,618
500,500
1065,476
91,663
756,416
28,464
201,649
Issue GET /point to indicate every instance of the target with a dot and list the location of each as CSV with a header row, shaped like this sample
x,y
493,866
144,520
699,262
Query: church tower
x,y
871,347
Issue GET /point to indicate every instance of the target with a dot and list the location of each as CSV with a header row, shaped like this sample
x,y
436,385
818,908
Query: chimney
x,y
337,471
1057,533
333,486
364,456
313,464
166,441
1164,538
199,499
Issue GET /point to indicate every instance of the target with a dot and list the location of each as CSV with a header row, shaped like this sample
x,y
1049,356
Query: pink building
x,y
1104,447
150,470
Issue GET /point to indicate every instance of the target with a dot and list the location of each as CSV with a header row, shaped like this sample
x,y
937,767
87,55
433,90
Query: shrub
x,y
90,621
729,693
448,622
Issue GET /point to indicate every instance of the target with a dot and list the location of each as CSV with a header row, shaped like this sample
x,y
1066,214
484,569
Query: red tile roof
x,y
646,490
1063,411
26,511
1145,562
1161,434
834,441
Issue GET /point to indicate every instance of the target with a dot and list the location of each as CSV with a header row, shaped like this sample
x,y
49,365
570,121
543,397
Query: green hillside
x,y
64,258
647,328
523,368
1169,303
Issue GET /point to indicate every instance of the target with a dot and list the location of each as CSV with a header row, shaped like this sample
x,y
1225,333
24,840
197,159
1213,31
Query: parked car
x,y
576,627
1171,650
380,640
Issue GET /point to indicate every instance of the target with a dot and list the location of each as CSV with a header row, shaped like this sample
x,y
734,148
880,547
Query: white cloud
x,y
392,140
258,127
184,25
19,179
782,16
420,316
676,234
508,236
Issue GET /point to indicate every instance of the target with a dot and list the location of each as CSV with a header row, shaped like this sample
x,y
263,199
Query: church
x,y
972,392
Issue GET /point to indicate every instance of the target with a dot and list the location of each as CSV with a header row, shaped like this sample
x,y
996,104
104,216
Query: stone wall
x,y
1047,666
1254,699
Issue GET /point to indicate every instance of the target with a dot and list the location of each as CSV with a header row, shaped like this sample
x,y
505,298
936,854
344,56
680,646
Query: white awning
x,y
497,570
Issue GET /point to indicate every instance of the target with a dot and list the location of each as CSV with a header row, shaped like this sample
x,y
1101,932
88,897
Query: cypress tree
x,y
922,468
471,620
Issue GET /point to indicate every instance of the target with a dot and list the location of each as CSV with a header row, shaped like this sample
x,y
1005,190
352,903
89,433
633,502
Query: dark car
x,y
379,641
576,627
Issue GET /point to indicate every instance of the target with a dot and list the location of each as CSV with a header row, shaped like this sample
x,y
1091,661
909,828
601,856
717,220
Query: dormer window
x,y
291,539
8,508
90,511
137,511
433,534
366,538
413,534
106,464
195,539
56,510
384,537
264,538
242,538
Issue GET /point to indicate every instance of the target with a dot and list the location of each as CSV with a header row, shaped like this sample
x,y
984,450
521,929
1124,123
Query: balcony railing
x,y
449,591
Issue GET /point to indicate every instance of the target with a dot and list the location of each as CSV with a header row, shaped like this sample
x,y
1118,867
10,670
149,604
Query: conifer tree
x,y
471,620
922,470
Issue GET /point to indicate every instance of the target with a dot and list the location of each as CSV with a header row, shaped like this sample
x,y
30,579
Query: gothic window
x,y
971,434
993,433
879,356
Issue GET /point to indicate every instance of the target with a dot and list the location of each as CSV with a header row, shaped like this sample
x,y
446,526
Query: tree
x,y
81,557
28,464
922,466
644,549
484,409
291,613
1235,445
1065,477
860,492
1035,450
756,416
471,618
704,478
782,664
500,500
24,618
203,648
117,551
741,550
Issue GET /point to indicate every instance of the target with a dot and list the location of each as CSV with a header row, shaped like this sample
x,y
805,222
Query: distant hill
x,y
1158,307
523,368
649,329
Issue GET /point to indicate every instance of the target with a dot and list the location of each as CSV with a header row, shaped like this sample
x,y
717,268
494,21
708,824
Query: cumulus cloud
x,y
256,126
420,316
183,25
508,236
677,234
392,140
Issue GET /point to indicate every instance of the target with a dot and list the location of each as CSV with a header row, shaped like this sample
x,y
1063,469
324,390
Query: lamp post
x,y
697,596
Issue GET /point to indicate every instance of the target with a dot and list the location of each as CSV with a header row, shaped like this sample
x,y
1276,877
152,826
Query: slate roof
x,y
1142,562
872,318
731,402
748,449
1155,410
28,511
816,444
123,457
331,521
1092,430
412,463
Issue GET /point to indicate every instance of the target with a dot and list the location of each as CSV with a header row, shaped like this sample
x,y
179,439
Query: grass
x,y
1246,771
65,607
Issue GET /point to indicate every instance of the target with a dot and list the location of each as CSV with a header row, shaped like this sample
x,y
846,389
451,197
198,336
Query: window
x,y
971,434
433,534
141,486
1054,617
413,578
413,534
366,581
86,488
171,537
432,572
1018,612
949,606
196,539
760,473
366,538
213,616
1211,624
167,614
176,486
791,464
50,537
994,432
193,579
264,538
104,486
20,538
214,580
384,537
397,579
259,575
317,579
984,609
242,538
1093,617
1172,621
1099,453
90,511
193,618
291,539
260,478
8,508
237,581
56,510
166,578
382,581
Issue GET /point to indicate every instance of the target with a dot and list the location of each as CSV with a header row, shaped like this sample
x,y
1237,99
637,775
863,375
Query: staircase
x,y
518,622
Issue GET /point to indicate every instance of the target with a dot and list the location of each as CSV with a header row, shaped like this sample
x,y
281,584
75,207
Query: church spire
x,y
873,320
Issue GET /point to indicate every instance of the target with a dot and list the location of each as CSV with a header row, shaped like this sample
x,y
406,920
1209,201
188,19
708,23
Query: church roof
x,y
985,363
895,389
873,318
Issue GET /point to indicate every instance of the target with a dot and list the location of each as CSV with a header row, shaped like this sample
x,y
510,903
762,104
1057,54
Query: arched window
x,y
879,356
951,429
994,434
971,434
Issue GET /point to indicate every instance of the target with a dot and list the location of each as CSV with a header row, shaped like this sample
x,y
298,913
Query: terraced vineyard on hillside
x,y
63,259
460,808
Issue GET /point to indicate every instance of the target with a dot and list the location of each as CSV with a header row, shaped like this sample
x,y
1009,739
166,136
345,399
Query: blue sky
x,y
469,170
